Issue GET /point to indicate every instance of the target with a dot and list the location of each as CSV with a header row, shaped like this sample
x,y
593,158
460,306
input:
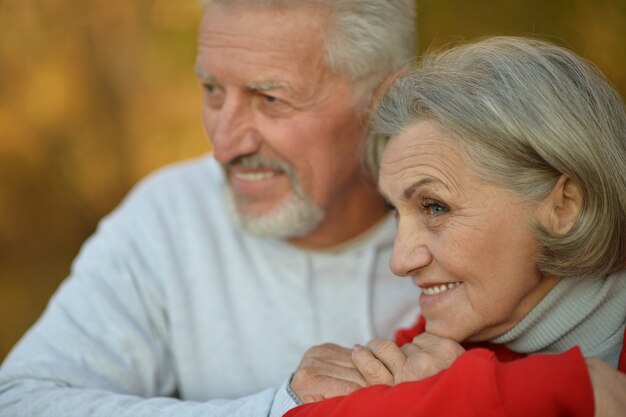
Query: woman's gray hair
x,y
526,112
364,39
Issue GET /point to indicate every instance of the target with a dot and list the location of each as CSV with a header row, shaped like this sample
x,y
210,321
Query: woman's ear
x,y
560,209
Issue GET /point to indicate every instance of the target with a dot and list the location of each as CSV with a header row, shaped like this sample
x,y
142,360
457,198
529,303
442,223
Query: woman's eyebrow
x,y
410,190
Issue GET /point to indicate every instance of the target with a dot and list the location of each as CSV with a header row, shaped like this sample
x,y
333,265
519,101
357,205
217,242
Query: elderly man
x,y
202,291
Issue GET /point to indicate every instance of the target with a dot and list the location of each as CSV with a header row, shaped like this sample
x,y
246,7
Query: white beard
x,y
296,216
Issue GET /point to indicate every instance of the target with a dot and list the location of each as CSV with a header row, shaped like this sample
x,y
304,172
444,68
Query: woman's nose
x,y
410,251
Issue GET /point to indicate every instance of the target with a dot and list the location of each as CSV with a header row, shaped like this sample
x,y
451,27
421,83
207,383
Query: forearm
x,y
38,398
64,368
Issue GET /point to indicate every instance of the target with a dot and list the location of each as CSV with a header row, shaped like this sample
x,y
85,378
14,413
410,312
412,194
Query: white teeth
x,y
436,289
255,176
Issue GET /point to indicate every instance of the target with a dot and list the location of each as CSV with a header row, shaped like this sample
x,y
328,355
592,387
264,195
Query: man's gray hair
x,y
527,112
364,39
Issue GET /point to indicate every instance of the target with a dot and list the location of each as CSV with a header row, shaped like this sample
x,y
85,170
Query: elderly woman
x,y
505,164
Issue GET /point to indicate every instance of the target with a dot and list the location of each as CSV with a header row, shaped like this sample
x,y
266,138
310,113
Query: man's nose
x,y
234,133
410,251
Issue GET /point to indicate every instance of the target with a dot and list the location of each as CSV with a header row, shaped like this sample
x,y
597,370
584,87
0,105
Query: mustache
x,y
258,161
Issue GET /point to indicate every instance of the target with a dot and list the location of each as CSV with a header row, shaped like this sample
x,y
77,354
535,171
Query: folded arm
x,y
476,385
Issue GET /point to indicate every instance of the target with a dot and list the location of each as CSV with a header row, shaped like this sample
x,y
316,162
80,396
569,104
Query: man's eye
x,y
269,99
392,209
273,106
210,88
214,95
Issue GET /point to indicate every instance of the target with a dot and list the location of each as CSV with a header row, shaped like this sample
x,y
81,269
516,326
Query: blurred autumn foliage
x,y
96,94
93,95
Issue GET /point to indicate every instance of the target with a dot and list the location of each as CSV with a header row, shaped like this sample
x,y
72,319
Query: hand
x,y
383,362
326,371
609,389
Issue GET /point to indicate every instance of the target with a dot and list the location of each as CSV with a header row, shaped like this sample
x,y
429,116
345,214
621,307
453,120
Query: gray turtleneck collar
x,y
590,313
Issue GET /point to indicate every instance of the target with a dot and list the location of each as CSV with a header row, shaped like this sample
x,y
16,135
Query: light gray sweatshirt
x,y
171,311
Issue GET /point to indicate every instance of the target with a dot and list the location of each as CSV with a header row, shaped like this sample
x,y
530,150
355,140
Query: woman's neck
x,y
590,313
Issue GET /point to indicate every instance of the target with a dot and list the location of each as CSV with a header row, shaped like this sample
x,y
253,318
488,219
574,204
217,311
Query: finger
x,y
332,353
427,355
389,354
312,368
409,349
373,370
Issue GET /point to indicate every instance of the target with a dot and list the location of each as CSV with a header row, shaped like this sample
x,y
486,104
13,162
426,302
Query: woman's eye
x,y
434,208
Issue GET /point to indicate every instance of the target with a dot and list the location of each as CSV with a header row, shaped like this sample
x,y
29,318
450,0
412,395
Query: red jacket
x,y
486,381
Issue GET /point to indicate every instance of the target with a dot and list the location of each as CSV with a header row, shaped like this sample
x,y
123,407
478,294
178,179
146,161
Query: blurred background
x,y
96,94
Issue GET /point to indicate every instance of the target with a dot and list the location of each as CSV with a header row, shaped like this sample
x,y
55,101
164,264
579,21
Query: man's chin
x,y
294,216
255,210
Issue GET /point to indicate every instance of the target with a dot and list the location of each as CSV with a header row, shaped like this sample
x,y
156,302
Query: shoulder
x,y
178,187
176,200
179,178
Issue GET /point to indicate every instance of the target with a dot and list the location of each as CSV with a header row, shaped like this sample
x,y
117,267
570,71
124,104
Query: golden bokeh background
x,y
96,94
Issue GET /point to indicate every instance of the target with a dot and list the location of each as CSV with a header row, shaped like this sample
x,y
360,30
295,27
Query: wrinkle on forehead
x,y
303,24
254,43
290,53
419,152
228,37
251,53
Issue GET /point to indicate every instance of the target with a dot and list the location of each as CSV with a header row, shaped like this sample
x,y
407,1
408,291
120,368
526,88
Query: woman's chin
x,y
446,329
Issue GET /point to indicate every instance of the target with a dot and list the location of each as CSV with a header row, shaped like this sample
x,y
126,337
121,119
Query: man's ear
x,y
559,210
